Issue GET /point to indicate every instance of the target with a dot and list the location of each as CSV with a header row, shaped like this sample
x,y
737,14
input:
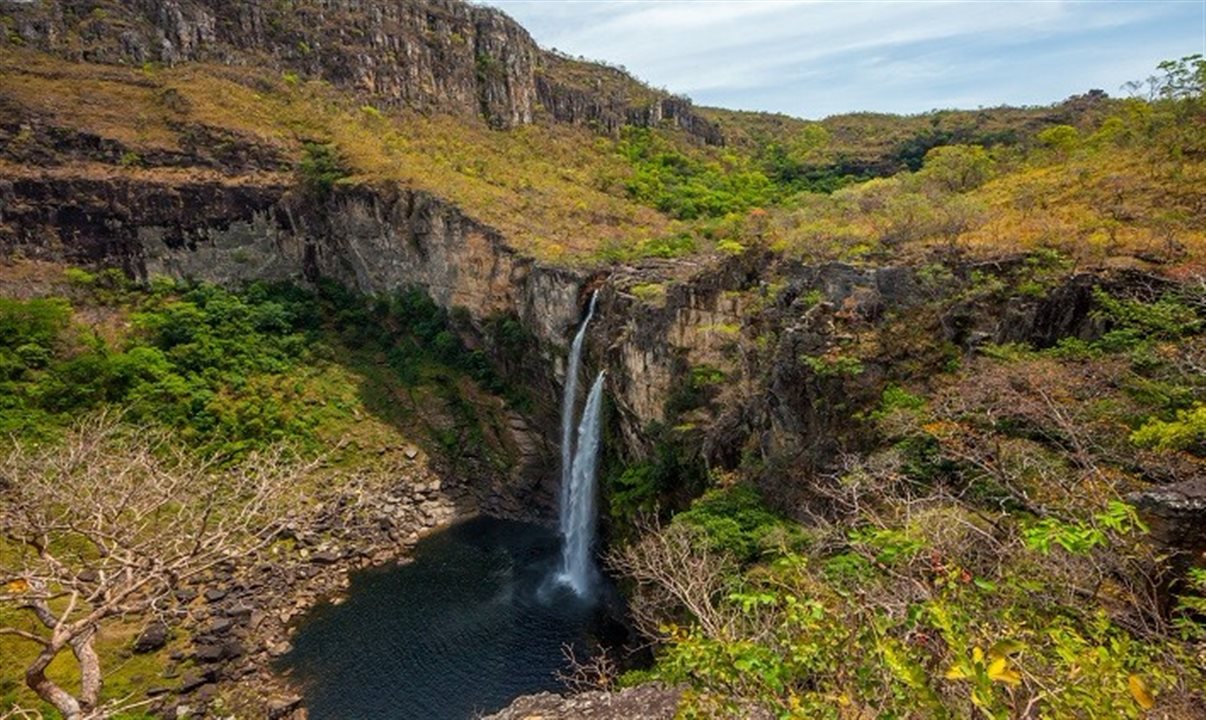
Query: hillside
x,y
575,180
903,415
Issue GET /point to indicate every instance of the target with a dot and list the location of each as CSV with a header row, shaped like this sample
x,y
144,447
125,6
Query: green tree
x,y
321,167
1062,139
957,168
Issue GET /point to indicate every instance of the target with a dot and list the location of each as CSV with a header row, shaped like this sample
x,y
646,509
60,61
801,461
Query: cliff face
x,y
429,54
433,55
582,93
722,317
374,239
769,339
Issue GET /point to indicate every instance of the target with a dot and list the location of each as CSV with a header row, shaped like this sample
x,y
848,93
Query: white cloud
x,y
808,56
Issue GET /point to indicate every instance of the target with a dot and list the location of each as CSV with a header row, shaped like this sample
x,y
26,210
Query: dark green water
x,y
467,627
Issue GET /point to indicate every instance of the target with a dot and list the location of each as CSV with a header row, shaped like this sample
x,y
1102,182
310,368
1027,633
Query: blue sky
x,y
813,58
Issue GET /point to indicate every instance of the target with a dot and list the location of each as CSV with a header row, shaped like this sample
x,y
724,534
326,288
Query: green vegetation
x,y
734,520
946,616
687,188
972,556
657,486
833,366
1186,432
230,370
321,167
654,293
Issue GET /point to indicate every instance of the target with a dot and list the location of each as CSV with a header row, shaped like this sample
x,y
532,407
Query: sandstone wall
x,y
433,55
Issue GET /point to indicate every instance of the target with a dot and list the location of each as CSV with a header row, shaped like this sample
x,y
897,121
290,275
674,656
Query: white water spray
x,y
578,513
567,411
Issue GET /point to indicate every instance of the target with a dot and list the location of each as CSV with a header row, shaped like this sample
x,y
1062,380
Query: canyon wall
x,y
374,239
431,55
722,316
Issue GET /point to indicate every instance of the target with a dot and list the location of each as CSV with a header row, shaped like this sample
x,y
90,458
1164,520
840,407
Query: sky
x,y
813,58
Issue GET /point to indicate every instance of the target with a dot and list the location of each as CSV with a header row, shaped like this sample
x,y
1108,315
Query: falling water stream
x,y
579,460
572,370
578,521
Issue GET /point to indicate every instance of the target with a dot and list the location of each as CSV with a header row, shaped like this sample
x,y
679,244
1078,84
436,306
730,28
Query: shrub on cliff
x,y
320,168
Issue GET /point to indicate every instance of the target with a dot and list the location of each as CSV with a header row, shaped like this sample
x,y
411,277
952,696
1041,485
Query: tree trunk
x,y
90,671
35,678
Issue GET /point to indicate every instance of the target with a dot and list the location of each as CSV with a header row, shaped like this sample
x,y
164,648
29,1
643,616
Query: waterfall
x,y
567,410
578,510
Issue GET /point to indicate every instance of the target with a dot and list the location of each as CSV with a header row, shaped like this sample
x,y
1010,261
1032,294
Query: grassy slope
x,y
565,194
546,188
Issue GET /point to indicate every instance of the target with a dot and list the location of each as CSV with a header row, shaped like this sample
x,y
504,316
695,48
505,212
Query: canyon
x,y
769,365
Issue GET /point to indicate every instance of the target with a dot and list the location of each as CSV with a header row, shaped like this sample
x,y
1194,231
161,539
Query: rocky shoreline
x,y
240,617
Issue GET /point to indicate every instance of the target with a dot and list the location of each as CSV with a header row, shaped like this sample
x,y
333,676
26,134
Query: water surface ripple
x,y
471,624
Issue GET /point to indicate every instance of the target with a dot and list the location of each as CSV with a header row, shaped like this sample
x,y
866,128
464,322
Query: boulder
x,y
282,706
206,653
240,611
152,638
1175,513
210,649
194,680
325,557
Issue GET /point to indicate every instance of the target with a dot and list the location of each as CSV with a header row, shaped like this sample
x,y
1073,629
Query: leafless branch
x,y
108,522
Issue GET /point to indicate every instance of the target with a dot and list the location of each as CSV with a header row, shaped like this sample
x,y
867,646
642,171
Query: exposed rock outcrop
x,y
442,55
608,99
644,702
375,239
431,54
1176,514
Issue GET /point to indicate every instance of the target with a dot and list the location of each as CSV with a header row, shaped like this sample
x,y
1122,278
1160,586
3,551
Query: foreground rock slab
x,y
644,702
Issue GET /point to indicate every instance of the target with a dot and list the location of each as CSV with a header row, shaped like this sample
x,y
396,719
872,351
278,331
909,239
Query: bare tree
x,y
106,523
674,569
598,671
